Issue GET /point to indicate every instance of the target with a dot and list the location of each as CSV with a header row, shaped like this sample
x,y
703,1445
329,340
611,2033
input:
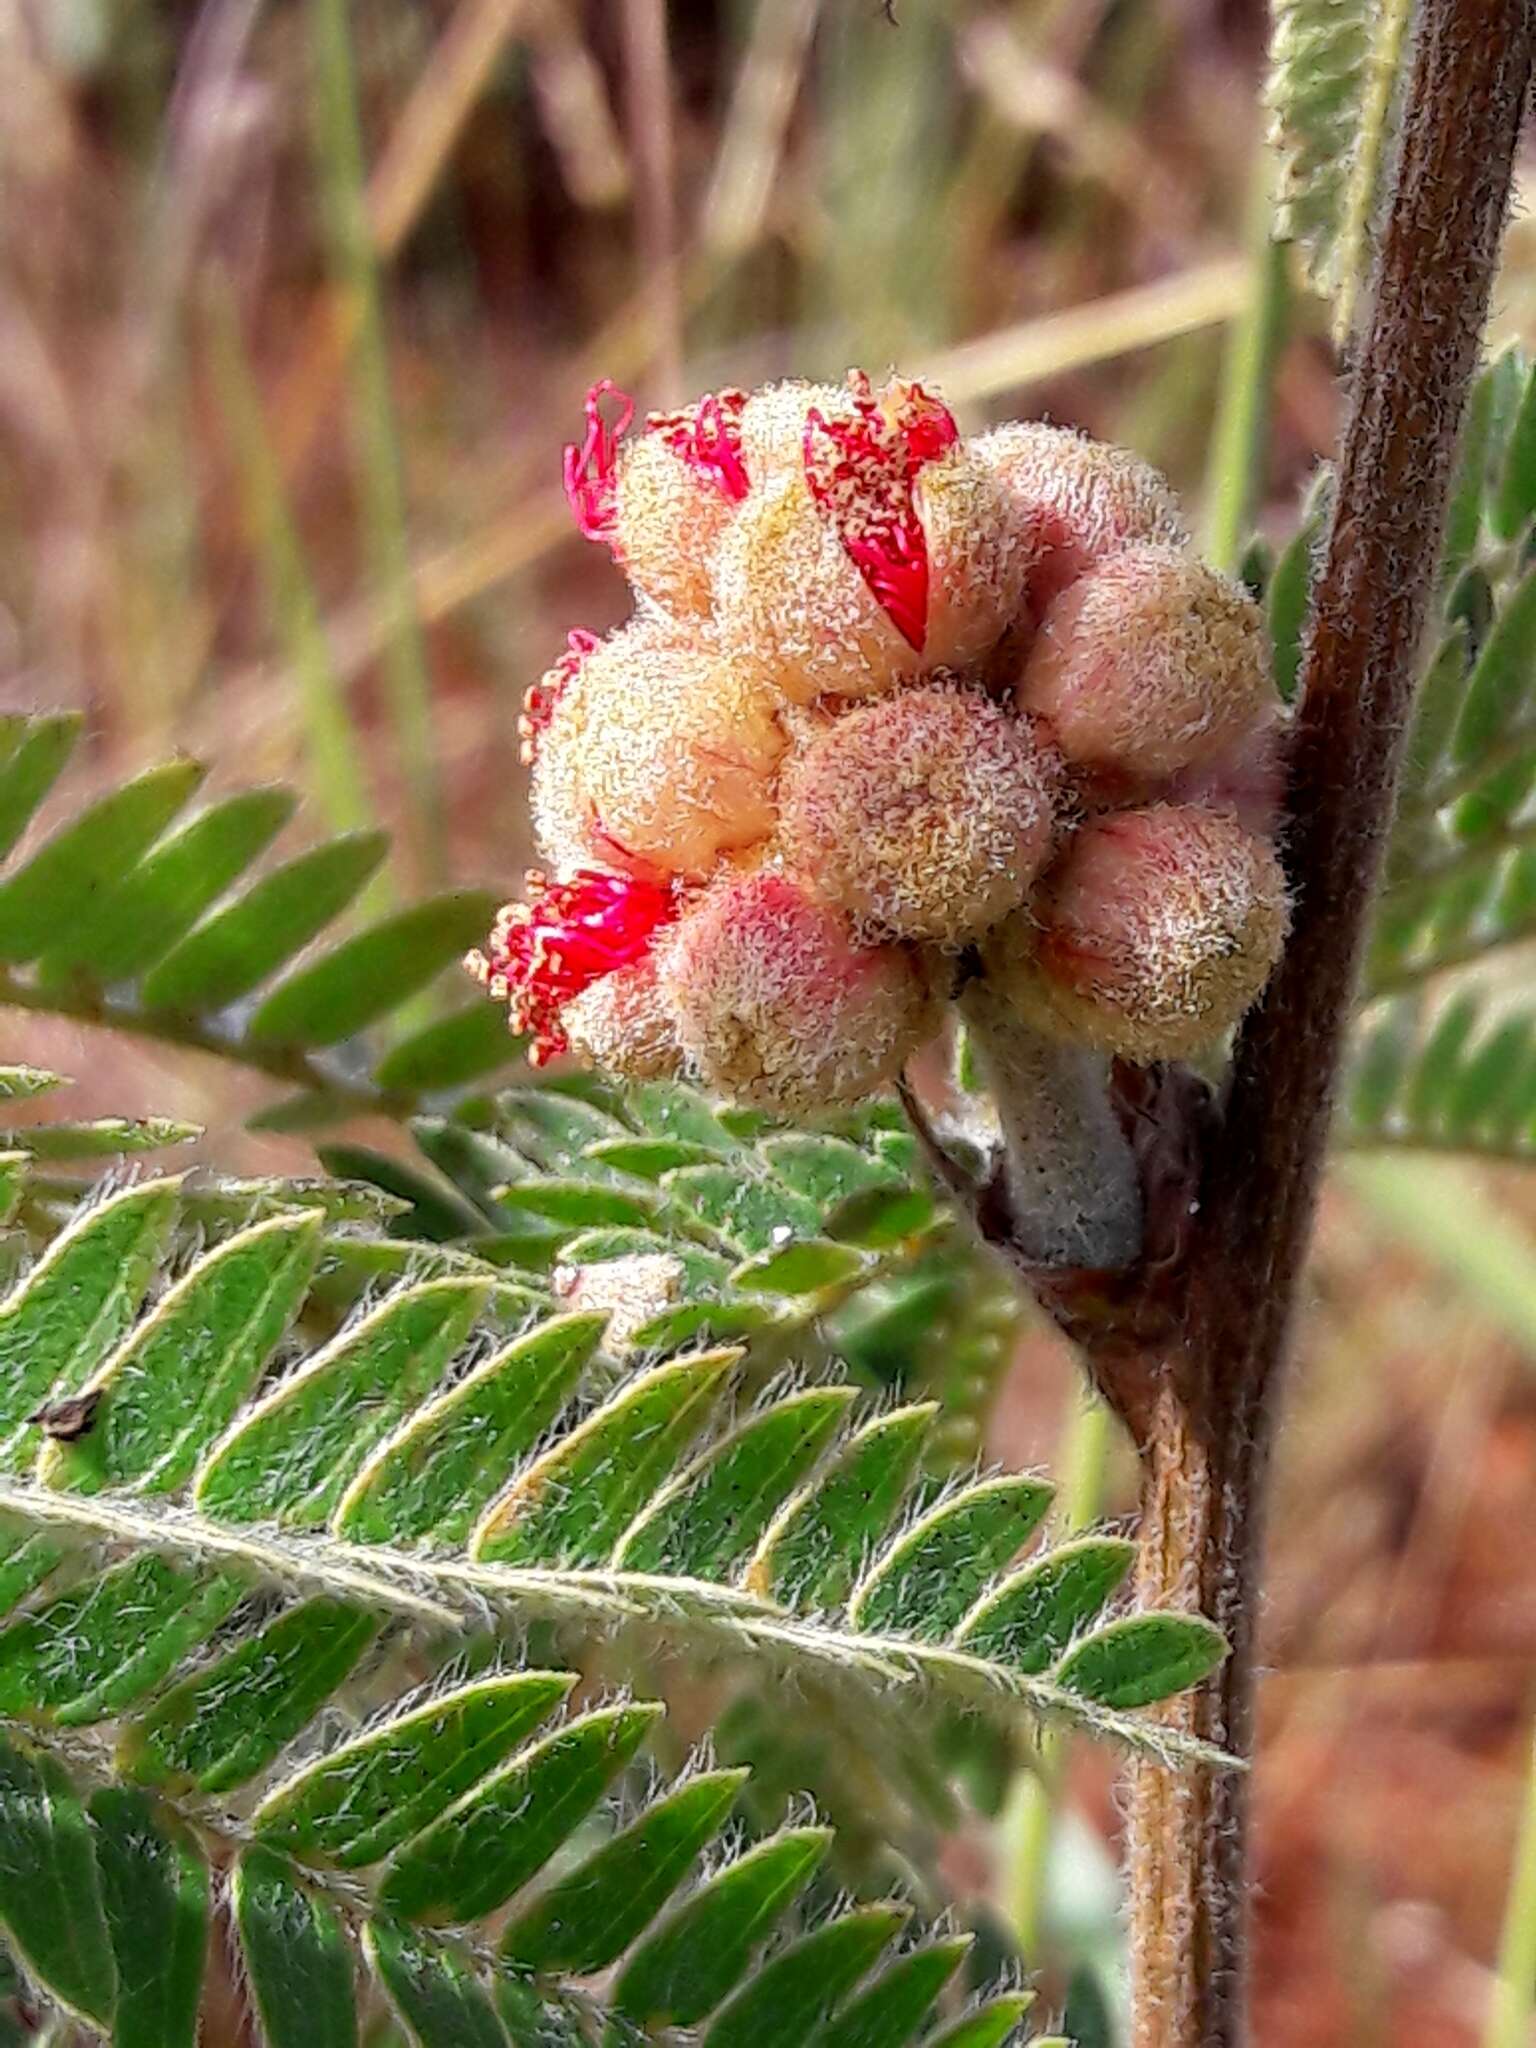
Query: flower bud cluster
x,y
892,701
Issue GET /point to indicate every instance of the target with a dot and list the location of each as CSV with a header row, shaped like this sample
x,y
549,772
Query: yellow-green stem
x,y
1514,1994
382,482
1240,439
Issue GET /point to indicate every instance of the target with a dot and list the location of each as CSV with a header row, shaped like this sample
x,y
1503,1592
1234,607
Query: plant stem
x,y
1514,1994
1240,439
333,750
1206,1446
406,682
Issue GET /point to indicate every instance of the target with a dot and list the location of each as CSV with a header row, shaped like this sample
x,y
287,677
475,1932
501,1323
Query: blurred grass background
x,y
297,304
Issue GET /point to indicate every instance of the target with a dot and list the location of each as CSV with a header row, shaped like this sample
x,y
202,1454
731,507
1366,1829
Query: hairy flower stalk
x,y
1069,1175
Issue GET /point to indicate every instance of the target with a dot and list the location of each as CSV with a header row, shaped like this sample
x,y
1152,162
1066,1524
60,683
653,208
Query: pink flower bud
x,y
623,1025
659,757
545,953
776,1004
661,501
886,555
1076,501
926,815
1156,931
1150,663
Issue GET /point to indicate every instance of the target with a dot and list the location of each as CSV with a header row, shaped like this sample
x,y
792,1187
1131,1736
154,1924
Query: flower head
x,y
861,473
545,952
893,708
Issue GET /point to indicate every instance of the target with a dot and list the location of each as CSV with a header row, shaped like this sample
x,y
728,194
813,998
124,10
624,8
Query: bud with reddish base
x,y
1148,664
926,815
775,1002
1075,502
1153,935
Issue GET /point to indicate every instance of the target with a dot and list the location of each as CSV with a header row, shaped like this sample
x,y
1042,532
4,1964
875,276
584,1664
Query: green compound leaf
x,y
154,1890
298,1962
890,2012
78,1299
128,927
234,950
435,1993
33,751
373,973
707,1524
584,1922
449,1051
990,2025
750,1214
780,2006
498,1836
679,1974
573,1504
363,1800
811,1266
1033,1617
50,1888
817,1547
438,1471
221,1726
1141,1658
86,858
929,1578
178,1380
99,1647
292,1456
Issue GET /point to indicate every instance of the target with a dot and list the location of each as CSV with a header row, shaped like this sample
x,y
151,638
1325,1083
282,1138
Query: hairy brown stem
x,y
1206,1451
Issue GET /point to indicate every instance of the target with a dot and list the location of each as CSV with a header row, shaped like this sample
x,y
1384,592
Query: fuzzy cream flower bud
x,y
777,1004
1155,932
926,815
661,500
884,554
660,755
1148,664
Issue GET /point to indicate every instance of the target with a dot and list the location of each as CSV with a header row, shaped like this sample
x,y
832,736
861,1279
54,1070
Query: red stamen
x,y
540,698
590,464
542,954
861,473
707,436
